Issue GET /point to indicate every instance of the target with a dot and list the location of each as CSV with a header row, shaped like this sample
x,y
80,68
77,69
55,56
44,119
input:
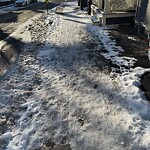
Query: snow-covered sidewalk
x,y
56,97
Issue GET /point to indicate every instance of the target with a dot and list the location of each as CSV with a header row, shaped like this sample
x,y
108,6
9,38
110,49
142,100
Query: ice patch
x,y
45,53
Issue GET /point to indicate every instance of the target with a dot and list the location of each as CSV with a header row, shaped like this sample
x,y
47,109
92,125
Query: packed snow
x,y
56,97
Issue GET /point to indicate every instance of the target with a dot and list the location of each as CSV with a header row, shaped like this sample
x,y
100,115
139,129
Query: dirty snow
x,y
55,96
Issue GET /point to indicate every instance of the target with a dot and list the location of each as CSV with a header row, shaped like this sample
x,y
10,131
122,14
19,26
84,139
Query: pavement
x,y
11,40
137,48
62,94
10,47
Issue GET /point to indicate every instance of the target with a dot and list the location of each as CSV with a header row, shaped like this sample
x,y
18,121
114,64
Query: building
x,y
107,12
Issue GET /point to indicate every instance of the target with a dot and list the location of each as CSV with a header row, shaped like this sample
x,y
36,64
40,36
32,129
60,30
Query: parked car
x,y
24,2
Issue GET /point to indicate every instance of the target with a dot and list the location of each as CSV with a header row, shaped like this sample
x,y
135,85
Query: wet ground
x,y
133,44
136,46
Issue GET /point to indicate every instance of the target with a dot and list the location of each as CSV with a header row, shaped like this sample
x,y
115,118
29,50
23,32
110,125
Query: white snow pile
x,y
55,96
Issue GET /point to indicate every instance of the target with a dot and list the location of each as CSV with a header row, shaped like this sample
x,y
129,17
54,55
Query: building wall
x,y
118,4
147,17
123,4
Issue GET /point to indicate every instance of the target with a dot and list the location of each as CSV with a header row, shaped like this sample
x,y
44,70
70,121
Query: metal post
x,y
79,2
89,3
47,6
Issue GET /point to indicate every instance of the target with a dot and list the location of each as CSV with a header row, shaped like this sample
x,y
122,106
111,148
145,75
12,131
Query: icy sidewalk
x,y
61,95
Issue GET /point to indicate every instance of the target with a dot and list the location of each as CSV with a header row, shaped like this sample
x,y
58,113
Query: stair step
x,y
96,21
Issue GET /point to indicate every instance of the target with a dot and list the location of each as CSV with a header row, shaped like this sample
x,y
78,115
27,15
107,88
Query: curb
x,y
11,47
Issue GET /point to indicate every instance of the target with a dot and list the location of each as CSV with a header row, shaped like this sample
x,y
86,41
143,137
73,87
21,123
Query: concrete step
x,y
96,21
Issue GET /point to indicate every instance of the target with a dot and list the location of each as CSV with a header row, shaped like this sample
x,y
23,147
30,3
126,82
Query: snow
x,y
113,51
56,96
